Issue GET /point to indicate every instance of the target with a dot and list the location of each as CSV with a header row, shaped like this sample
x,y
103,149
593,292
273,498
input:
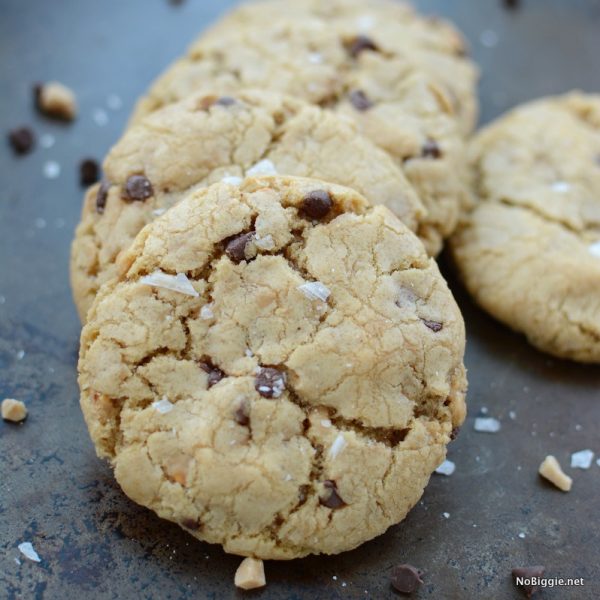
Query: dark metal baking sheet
x,y
93,542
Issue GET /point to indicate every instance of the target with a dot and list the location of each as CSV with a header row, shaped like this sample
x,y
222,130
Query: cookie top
x,y
529,251
207,138
278,368
397,75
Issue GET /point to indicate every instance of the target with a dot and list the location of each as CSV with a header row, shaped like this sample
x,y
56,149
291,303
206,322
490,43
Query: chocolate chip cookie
x,y
529,250
404,80
208,138
277,368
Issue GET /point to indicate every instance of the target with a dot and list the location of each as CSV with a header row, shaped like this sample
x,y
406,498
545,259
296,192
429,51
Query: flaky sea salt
x,y
264,243
315,290
315,58
20,354
163,406
487,424
512,414
594,249
446,515
206,312
26,549
338,445
446,468
100,117
51,169
522,535
232,180
326,423
114,102
157,212
489,38
264,167
176,283
582,459
365,22
47,141
561,187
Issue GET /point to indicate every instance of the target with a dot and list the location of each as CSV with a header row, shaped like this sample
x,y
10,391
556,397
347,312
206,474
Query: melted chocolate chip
x,y
214,373
454,433
22,140
89,172
225,101
528,573
269,382
331,499
317,204
359,44
192,524
398,435
431,149
360,100
433,325
235,247
102,196
242,414
137,188
406,578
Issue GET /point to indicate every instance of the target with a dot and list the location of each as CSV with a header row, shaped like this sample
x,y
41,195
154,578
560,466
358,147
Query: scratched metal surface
x,y
96,544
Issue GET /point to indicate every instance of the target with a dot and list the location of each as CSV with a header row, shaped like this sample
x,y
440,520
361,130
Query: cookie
x,y
277,368
207,138
529,250
364,60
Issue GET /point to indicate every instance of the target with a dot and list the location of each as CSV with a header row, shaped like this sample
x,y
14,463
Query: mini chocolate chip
x,y
269,382
242,414
511,4
22,140
225,101
235,248
528,573
37,94
359,44
454,433
214,373
192,524
360,100
137,188
89,171
433,325
406,578
317,204
431,149
332,499
102,196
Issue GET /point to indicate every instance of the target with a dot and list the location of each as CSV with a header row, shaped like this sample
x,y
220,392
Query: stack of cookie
x,y
271,357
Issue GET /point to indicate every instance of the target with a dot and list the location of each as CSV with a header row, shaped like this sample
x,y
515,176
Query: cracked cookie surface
x,y
402,79
208,138
275,378
529,250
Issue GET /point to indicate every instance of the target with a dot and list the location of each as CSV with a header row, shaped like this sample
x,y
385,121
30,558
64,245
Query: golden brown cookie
x,y
278,368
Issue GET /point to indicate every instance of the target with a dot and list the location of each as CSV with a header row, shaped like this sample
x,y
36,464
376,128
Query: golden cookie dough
x,y
529,250
403,79
208,138
278,368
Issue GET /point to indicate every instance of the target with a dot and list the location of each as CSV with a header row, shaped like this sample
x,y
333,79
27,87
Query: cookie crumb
x,y
250,575
446,468
551,470
26,549
22,140
524,575
406,578
56,100
13,410
582,459
487,425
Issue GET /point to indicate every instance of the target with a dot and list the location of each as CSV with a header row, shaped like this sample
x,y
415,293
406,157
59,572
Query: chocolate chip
x,y
398,435
192,524
359,44
406,578
270,382
214,373
242,414
303,493
360,100
102,196
235,247
433,325
431,149
22,140
37,94
527,573
137,188
454,433
89,172
225,101
331,499
511,4
317,204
